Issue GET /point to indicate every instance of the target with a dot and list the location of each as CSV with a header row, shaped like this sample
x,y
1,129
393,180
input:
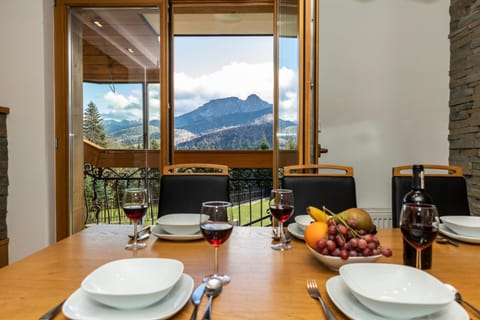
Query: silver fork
x,y
312,290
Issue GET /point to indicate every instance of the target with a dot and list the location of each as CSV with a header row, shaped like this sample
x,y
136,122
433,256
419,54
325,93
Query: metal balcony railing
x,y
103,188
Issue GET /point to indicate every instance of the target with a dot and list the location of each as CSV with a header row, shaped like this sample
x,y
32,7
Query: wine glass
x,y
216,229
418,223
135,204
281,207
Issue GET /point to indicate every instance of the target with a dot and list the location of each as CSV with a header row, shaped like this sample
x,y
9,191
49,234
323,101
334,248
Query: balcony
x,y
108,172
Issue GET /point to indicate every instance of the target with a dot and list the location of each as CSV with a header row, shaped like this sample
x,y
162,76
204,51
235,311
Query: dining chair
x,y
184,187
445,184
329,185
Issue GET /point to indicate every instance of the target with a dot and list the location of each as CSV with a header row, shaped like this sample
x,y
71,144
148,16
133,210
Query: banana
x,y
317,214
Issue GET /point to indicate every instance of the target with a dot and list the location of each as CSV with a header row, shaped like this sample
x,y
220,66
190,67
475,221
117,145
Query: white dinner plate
x,y
295,231
451,234
162,234
345,301
80,306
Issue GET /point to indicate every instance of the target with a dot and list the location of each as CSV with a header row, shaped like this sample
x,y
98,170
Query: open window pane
x,y
114,111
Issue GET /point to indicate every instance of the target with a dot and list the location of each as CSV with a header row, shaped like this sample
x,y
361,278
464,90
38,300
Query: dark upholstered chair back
x,y
445,184
184,191
320,185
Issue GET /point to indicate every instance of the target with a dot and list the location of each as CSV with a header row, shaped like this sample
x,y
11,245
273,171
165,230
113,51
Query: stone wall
x,y
464,134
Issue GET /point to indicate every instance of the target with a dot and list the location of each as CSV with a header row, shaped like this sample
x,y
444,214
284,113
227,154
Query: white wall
x,y
26,87
384,100
383,88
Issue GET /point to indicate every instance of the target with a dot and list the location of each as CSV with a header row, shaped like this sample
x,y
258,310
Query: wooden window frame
x,y
233,159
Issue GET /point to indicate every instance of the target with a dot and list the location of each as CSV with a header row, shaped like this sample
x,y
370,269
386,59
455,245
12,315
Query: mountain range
x,y
220,124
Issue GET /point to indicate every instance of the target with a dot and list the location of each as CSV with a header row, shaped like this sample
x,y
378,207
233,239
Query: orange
x,y
314,232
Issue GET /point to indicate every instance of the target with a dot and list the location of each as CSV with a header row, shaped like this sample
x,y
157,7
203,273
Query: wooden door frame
x,y
62,174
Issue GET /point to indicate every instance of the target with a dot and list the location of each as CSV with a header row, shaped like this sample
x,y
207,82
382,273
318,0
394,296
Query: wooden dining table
x,y
265,284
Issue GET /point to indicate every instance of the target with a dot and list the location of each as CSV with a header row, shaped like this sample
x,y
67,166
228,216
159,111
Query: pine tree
x,y
264,145
93,129
290,145
154,144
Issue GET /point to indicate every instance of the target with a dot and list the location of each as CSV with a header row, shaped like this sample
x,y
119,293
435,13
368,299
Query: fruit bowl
x,y
334,263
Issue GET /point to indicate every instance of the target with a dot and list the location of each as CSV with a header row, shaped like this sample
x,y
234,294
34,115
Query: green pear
x,y
363,218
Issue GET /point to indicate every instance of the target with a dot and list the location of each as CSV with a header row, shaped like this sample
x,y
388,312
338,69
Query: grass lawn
x,y
244,214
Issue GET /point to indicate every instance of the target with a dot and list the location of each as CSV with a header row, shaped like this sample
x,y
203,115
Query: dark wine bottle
x,y
417,195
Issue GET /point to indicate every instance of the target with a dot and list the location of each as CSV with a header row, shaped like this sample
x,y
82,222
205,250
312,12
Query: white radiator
x,y
381,217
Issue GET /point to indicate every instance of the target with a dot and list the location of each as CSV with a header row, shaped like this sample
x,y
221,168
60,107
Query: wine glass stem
x,y
215,267
134,233
282,233
419,259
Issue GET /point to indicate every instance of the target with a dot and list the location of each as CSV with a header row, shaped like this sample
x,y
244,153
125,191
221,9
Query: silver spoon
x,y
212,289
459,299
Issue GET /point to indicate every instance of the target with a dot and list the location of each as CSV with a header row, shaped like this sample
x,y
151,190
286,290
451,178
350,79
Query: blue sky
x,y
205,69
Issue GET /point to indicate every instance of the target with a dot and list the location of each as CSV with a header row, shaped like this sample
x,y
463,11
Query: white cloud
x,y
123,107
288,83
154,101
237,79
233,80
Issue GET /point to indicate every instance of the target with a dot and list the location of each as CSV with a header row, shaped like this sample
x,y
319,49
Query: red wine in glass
x,y
216,229
216,233
281,212
418,235
135,204
135,212
418,224
281,207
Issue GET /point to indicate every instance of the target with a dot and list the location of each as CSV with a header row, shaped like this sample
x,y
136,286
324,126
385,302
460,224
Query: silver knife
x,y
196,298
52,312
142,233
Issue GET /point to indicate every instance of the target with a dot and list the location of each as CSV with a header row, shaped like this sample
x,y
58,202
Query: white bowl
x,y
133,283
396,291
303,221
334,263
463,225
181,223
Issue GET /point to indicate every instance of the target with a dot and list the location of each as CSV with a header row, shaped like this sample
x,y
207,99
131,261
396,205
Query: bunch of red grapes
x,y
346,240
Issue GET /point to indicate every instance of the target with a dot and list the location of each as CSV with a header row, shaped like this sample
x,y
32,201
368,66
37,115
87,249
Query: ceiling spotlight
x,y
130,50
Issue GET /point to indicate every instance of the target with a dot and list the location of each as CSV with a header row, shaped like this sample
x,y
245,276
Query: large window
x,y
199,81
223,89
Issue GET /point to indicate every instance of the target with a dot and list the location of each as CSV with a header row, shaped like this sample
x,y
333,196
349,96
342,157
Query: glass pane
x,y
288,87
223,82
114,104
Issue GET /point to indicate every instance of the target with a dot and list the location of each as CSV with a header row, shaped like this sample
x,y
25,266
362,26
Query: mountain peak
x,y
253,98
220,108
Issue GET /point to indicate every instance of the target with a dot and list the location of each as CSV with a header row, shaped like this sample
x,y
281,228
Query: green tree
x,y
291,145
264,145
93,129
154,144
